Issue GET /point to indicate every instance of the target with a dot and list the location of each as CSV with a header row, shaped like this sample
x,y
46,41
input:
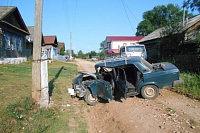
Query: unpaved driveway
x,y
169,113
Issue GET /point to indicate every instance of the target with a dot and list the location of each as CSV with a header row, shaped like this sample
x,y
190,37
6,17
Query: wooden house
x,y
191,27
12,36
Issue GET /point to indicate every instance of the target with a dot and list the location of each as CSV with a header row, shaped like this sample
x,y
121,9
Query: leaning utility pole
x,y
36,65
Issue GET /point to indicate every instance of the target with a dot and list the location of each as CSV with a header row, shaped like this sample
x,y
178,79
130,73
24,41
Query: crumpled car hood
x,y
78,79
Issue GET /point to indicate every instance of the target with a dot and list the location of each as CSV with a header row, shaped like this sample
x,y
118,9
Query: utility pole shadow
x,y
51,86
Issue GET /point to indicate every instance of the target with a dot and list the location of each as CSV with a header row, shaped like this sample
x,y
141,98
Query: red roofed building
x,y
49,47
112,44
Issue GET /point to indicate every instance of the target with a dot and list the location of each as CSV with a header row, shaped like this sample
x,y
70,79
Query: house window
x,y
109,45
19,44
13,46
7,41
132,43
124,44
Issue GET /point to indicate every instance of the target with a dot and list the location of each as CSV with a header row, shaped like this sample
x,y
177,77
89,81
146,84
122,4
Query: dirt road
x,y
169,113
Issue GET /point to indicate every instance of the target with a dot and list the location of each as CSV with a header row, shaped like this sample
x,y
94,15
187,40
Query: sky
x,y
88,21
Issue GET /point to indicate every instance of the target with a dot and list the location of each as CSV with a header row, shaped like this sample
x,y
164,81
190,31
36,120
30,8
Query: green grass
x,y
20,113
191,85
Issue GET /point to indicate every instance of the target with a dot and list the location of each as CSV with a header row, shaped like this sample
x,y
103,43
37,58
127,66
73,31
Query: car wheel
x,y
89,99
149,92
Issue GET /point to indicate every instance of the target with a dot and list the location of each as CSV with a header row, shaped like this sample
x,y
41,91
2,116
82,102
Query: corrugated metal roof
x,y
124,38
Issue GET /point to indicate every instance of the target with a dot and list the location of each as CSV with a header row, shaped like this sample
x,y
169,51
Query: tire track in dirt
x,y
170,112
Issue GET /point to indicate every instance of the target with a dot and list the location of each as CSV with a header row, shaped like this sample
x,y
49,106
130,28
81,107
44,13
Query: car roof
x,y
115,62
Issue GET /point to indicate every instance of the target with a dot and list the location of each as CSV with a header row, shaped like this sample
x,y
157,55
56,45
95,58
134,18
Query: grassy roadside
x,y
191,85
19,113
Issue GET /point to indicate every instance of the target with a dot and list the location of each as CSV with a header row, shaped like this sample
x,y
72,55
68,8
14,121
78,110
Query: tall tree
x,y
158,17
193,4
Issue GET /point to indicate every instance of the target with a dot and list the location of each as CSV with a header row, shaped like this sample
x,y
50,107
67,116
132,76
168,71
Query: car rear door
x,y
121,82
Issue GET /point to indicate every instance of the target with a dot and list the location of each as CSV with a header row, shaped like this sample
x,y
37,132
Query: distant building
x,y
112,44
12,36
50,47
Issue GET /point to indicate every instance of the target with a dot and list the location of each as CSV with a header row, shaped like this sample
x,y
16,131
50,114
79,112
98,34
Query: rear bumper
x,y
178,82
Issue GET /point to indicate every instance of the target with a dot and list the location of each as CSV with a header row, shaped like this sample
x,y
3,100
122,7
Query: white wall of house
x,y
118,44
109,45
49,51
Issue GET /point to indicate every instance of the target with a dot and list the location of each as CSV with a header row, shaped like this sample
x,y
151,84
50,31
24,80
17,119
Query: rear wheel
x,y
149,92
89,99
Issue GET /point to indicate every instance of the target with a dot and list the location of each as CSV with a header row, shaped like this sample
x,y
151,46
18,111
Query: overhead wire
x,y
131,12
127,16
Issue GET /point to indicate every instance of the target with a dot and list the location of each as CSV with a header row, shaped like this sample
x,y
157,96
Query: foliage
x,y
198,41
62,51
193,4
191,85
92,53
81,55
101,46
159,17
172,41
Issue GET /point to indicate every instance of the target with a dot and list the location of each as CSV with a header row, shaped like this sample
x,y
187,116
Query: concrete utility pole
x,y
39,72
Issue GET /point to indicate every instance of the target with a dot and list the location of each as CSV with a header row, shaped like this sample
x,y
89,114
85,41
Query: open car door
x,y
104,90
121,82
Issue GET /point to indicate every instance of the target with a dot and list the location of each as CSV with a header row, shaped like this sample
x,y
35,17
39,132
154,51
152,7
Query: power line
x,y
131,12
127,15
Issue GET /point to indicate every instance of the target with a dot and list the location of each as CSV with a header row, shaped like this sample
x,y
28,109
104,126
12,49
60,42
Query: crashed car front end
x,y
86,85
80,83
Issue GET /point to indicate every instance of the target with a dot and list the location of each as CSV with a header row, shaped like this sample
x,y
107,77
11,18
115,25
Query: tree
x,y
193,4
159,17
102,52
62,51
81,54
101,45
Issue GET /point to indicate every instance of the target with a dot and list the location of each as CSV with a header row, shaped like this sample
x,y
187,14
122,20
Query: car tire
x,y
149,92
89,99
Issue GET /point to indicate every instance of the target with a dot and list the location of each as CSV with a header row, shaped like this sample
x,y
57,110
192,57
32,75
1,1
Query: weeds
x,y
191,85
170,110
